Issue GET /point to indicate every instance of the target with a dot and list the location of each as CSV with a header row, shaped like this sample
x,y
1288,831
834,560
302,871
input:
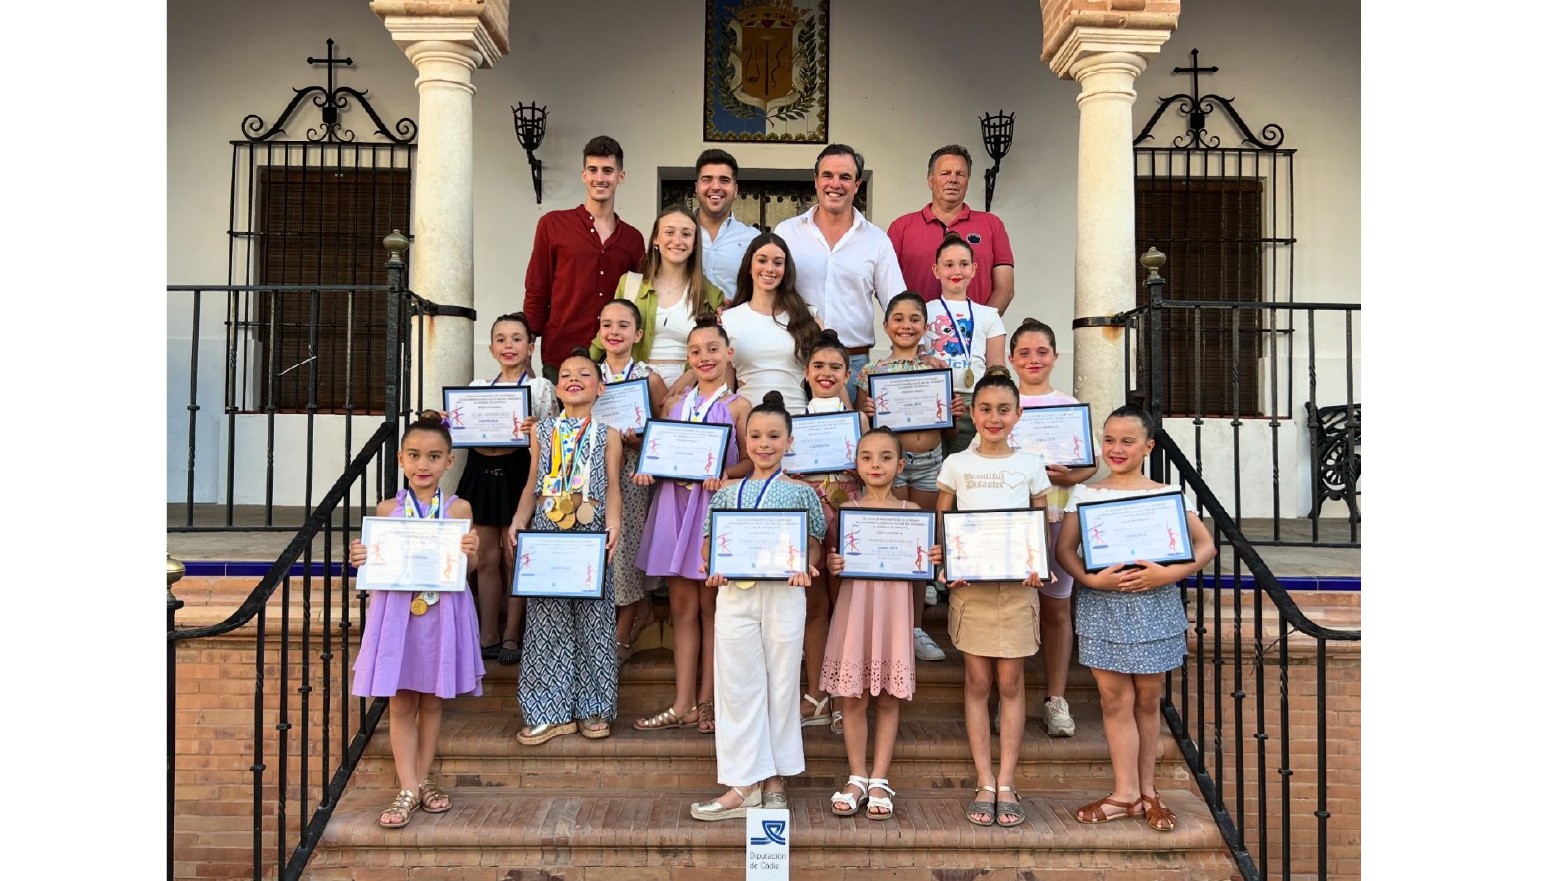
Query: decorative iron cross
x,y
330,108
1195,119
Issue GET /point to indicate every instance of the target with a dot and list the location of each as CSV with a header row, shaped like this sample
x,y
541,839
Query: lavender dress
x,y
673,530
433,653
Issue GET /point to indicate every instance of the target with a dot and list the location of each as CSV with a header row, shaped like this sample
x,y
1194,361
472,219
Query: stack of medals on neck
x,y
832,490
424,598
566,487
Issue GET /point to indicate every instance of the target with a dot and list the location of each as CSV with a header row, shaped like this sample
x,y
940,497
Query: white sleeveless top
x,y
764,357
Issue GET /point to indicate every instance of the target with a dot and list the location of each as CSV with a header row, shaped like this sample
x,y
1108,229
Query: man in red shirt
x,y
577,257
916,236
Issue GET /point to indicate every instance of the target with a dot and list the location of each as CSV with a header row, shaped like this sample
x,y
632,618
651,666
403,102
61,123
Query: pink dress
x,y
433,653
672,544
870,643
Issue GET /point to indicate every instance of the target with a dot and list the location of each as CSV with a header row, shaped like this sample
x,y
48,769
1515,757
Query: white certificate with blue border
x,y
916,401
1060,434
823,443
623,405
762,544
1124,531
683,450
1003,545
560,564
889,545
487,415
411,553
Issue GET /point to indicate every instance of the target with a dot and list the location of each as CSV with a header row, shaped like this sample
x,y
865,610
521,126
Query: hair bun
x,y
997,370
430,417
706,321
828,335
952,236
773,399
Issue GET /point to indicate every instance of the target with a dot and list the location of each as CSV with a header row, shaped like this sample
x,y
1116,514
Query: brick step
x,y
588,836
480,750
647,683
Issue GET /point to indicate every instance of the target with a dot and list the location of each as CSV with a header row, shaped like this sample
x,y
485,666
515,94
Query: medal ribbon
x,y
691,409
412,509
571,439
740,492
520,381
621,377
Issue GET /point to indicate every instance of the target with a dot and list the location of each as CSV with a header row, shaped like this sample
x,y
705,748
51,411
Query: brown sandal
x,y
1095,811
430,793
667,718
706,717
1159,816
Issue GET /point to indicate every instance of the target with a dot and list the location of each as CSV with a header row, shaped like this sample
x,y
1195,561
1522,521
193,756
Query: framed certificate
x,y
893,545
821,443
916,401
560,564
1061,434
487,415
1124,531
764,544
683,450
624,405
1004,545
404,553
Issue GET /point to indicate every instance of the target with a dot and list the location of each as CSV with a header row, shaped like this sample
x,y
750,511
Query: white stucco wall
x,y
906,77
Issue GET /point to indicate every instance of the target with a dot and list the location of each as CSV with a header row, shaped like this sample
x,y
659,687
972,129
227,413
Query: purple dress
x,y
433,653
673,530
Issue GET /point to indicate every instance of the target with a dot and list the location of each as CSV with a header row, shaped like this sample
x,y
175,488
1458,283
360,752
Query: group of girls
x,y
738,650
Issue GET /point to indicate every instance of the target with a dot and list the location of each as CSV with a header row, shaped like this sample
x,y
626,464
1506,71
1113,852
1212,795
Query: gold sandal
x,y
403,806
429,792
667,718
706,717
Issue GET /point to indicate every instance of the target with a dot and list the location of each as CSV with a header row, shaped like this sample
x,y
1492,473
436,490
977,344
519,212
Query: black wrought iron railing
x,y
1238,707
300,368
1270,393
306,733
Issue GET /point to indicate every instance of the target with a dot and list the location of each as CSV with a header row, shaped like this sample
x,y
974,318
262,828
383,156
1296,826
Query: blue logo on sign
x,y
772,832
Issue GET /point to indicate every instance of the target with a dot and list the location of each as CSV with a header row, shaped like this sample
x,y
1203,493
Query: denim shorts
x,y
921,470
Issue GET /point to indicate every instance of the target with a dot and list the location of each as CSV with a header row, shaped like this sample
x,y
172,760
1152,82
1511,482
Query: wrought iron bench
x,y
1336,437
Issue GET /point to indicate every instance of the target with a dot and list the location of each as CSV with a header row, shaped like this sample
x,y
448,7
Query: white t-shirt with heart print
x,y
982,483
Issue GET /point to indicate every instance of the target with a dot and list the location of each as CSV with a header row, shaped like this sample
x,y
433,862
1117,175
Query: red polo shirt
x,y
916,236
572,274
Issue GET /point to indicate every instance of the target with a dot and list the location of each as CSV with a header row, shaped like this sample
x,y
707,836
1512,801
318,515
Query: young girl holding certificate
x,y
673,530
1131,625
870,651
826,385
757,634
569,672
1033,350
621,328
418,648
994,624
922,451
492,483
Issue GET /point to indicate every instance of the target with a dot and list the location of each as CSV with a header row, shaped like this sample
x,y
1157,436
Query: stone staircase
x,y
579,810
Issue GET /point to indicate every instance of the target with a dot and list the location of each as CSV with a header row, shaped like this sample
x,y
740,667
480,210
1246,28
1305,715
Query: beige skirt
x,y
996,620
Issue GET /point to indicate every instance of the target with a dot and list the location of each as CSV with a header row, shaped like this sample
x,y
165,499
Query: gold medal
x,y
566,521
971,378
743,585
585,513
419,607
563,506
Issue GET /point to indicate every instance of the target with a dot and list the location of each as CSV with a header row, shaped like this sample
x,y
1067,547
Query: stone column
x,y
446,40
1104,45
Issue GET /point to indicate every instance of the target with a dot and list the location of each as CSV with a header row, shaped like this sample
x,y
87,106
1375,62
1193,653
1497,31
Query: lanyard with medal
x,y
965,338
740,504
424,598
621,377
567,496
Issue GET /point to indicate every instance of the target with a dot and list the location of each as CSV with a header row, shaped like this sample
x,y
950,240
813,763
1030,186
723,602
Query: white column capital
x,y
1088,47
468,35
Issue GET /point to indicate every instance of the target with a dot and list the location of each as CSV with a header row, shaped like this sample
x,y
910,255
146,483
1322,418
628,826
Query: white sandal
x,y
821,716
845,803
880,801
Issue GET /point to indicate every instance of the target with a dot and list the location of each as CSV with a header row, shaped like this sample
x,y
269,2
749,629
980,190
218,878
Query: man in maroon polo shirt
x,y
917,235
577,257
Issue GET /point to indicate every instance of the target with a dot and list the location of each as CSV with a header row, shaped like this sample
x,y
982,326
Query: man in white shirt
x,y
844,265
724,239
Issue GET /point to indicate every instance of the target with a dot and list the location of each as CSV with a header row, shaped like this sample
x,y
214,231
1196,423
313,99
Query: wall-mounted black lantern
x,y
998,131
531,124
